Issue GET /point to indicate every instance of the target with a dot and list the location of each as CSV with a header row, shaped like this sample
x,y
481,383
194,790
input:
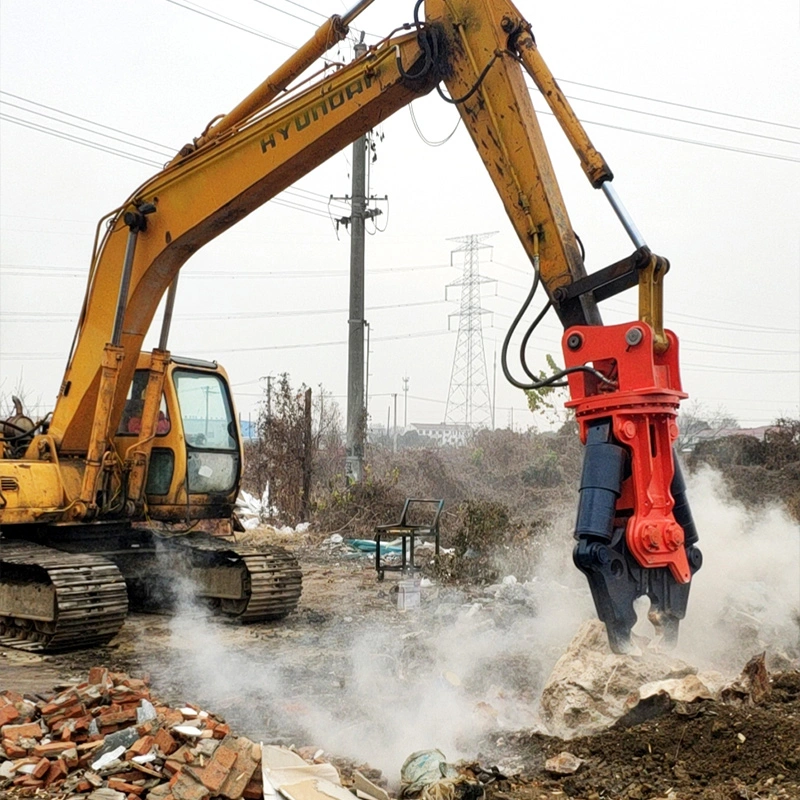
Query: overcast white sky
x,y
696,107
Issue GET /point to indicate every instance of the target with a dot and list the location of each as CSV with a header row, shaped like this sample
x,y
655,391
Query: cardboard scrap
x,y
286,773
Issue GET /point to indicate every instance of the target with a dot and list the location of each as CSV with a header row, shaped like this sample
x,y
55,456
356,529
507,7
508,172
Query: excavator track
x,y
51,600
271,579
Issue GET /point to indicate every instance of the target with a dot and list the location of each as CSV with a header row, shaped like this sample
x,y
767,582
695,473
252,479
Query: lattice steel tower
x,y
468,399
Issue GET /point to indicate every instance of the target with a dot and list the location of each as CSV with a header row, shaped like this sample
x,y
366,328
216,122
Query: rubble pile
x,y
109,739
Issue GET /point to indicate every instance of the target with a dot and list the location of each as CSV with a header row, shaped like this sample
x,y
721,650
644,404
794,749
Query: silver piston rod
x,y
624,217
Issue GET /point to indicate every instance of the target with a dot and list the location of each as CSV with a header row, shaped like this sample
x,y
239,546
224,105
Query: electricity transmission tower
x,y
468,399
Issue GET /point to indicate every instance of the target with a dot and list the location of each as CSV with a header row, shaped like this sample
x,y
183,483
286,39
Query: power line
x,y
684,121
79,140
305,8
288,13
683,140
204,12
679,105
37,316
83,128
84,119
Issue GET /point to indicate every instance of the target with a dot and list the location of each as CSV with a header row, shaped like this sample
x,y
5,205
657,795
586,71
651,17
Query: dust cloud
x,y
378,687
746,598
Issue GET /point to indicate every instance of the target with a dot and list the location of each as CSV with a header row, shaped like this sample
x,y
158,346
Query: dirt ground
x,y
352,675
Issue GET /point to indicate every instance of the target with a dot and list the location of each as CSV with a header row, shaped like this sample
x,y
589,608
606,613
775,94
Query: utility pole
x,y
394,432
405,404
366,377
354,465
494,386
267,423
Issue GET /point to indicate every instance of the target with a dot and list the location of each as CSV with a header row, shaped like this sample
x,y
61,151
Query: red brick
x,y
225,756
58,771
145,729
116,718
221,731
248,757
98,675
122,786
52,749
147,769
75,710
141,747
164,742
12,697
187,788
70,758
254,790
29,730
41,768
13,750
8,713
82,787
212,776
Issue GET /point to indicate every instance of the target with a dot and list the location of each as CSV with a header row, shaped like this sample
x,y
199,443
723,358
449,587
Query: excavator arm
x,y
635,534
634,531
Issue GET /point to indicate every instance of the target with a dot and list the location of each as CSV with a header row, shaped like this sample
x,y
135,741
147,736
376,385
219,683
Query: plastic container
x,y
408,594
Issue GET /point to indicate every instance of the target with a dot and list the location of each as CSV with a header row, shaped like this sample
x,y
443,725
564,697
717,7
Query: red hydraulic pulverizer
x,y
635,531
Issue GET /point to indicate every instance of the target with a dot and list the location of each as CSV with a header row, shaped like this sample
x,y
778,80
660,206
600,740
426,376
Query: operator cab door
x,y
213,460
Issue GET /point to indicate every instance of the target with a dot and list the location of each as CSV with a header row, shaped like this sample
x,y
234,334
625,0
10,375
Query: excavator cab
x,y
192,445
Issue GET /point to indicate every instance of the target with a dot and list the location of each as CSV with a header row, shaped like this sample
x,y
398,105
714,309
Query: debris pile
x,y
109,739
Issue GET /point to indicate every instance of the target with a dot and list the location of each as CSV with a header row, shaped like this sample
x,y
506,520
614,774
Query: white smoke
x,y
377,688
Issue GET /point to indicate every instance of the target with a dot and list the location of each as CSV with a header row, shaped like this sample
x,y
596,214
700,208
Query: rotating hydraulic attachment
x,y
635,533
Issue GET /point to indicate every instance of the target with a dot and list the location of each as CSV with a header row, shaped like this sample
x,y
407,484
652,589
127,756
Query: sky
x,y
695,106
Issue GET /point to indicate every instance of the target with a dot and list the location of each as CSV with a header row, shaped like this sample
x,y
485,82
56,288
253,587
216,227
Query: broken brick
x,y
70,758
8,713
123,786
248,756
40,770
187,788
141,747
115,718
58,771
165,742
221,731
13,750
98,675
212,776
28,730
254,790
52,749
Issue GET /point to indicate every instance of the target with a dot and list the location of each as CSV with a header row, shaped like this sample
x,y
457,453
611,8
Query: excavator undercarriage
x,y
75,589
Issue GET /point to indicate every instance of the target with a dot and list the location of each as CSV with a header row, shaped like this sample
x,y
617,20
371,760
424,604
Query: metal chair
x,y
408,532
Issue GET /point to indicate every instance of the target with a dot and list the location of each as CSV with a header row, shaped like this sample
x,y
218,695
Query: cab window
x,y
131,422
210,430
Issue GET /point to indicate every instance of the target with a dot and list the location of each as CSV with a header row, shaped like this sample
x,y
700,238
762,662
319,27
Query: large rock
x,y
590,687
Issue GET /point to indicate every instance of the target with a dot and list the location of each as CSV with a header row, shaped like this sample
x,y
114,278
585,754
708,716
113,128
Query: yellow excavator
x,y
125,494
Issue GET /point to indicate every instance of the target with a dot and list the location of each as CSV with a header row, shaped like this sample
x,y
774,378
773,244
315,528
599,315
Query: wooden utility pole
x,y
307,457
